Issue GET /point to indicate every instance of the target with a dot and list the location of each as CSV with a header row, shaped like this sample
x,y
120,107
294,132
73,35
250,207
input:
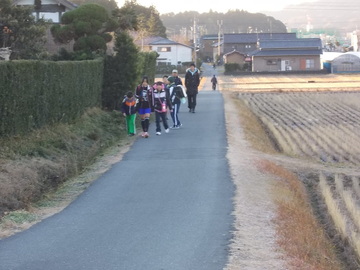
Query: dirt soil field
x,y
254,244
292,82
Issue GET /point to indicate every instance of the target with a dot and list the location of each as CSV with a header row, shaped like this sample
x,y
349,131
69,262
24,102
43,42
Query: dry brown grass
x,y
299,234
298,231
291,82
37,163
254,130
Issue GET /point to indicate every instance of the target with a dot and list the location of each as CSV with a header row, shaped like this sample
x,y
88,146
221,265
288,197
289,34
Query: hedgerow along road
x,y
166,205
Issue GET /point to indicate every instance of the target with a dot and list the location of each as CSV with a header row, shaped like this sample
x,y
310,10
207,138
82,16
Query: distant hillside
x,y
323,14
234,21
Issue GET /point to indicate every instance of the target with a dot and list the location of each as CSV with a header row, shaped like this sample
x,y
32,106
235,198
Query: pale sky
x,y
166,6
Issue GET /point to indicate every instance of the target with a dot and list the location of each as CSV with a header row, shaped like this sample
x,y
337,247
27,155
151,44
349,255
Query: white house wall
x,y
54,17
25,3
177,53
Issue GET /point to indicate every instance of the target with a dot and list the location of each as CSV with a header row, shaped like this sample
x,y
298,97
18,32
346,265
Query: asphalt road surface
x,y
166,206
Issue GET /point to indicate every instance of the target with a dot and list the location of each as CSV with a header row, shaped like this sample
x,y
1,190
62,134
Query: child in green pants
x,y
128,108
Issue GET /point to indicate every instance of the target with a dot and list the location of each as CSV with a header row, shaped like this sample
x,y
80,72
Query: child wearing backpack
x,y
161,101
177,96
128,108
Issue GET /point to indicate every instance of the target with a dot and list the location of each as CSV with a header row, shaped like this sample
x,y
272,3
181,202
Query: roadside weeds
x,y
299,235
53,166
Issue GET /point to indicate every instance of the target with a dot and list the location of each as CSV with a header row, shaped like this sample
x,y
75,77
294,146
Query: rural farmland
x,y
314,120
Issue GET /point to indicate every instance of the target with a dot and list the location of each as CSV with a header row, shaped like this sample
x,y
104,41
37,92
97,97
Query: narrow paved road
x,y
166,205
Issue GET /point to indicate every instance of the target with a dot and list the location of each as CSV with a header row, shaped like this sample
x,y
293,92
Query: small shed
x,y
346,63
234,57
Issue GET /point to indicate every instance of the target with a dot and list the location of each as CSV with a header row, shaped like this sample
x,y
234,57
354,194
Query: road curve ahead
x,y
166,206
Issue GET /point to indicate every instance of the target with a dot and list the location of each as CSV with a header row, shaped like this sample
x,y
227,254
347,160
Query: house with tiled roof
x,y
247,42
301,54
47,9
170,52
234,57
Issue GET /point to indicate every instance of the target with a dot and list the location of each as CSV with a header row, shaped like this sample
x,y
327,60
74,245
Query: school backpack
x,y
179,91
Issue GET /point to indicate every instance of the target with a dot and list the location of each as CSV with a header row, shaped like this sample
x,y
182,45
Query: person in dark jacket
x,y
161,103
192,81
214,82
175,75
128,108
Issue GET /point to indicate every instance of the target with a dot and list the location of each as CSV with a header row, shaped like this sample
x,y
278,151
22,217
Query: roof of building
x,y
301,46
233,52
163,41
355,56
299,43
156,40
255,37
65,3
285,52
210,37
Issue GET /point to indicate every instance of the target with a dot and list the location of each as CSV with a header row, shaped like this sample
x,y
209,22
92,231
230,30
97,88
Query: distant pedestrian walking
x,y
192,81
161,104
144,94
128,108
214,82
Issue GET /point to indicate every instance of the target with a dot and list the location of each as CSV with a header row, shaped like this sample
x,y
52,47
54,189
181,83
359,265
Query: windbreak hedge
x,y
123,72
38,93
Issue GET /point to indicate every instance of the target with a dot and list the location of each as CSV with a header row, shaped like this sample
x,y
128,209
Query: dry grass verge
x,y
33,165
255,132
299,233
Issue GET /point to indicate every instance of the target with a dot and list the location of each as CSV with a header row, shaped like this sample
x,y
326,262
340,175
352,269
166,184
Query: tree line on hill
x,y
233,21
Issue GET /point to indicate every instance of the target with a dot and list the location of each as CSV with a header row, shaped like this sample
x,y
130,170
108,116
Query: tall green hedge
x,y
38,93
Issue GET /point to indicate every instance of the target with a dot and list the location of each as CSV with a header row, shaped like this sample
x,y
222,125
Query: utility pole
x,y
219,23
195,38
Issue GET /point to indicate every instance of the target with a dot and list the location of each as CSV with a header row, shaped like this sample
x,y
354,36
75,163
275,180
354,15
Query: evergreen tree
x,y
154,24
109,5
144,19
120,71
89,25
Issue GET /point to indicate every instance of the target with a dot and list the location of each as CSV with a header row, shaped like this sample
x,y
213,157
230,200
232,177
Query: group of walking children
x,y
163,96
